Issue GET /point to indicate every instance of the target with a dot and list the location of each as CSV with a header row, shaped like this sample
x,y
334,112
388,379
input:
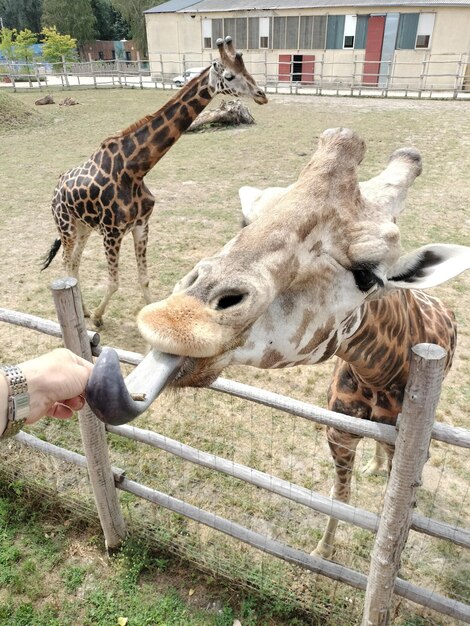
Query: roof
x,y
208,6
172,6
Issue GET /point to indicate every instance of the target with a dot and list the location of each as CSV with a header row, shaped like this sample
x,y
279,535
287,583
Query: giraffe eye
x,y
229,76
365,278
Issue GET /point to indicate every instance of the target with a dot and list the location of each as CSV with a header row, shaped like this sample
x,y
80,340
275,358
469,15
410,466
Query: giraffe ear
x,y
429,266
255,201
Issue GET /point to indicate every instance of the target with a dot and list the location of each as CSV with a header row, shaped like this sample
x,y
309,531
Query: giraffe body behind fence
x,y
108,193
318,273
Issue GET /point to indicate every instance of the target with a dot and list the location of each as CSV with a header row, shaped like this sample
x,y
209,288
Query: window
x,y
264,23
335,32
424,31
217,31
253,33
407,29
306,32
101,55
207,33
349,31
292,32
361,32
319,32
279,32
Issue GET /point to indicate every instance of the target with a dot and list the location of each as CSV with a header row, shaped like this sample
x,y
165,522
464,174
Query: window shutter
x,y
319,32
407,29
335,31
253,33
217,31
361,32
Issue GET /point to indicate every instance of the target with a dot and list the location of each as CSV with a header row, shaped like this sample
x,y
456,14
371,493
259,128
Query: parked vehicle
x,y
186,76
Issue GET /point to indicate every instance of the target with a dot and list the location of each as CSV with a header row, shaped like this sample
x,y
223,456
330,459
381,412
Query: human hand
x,y
56,383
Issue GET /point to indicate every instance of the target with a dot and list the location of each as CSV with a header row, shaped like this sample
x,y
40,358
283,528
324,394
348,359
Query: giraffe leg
x,y
112,246
140,234
343,449
376,463
83,234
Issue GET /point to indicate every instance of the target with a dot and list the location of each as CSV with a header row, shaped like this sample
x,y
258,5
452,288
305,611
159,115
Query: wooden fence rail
x,y
391,527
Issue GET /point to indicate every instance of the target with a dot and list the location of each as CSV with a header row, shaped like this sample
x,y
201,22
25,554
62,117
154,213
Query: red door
x,y
285,67
308,68
375,36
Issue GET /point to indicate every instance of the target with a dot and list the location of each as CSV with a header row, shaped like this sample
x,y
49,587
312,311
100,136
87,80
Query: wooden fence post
x,y
411,452
68,303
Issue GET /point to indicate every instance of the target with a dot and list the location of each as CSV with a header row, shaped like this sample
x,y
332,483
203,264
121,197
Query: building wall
x,y
178,37
101,50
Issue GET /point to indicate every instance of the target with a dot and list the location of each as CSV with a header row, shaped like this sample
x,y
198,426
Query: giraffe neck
x,y
379,351
144,143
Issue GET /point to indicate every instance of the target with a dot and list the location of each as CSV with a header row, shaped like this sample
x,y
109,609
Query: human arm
x,y
56,382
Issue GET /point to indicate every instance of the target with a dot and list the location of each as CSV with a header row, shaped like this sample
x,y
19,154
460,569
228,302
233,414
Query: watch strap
x,y
18,400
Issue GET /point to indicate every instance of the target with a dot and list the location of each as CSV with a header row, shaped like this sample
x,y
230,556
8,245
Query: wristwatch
x,y
18,400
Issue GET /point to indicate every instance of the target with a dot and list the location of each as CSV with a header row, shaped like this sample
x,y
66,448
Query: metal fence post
x,y
68,303
411,452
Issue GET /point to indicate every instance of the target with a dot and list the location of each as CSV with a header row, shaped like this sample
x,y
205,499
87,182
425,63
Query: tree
x,y
21,14
74,17
7,43
110,24
25,40
57,46
133,12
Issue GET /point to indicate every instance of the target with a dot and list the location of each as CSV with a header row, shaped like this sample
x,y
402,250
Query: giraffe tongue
x,y
109,395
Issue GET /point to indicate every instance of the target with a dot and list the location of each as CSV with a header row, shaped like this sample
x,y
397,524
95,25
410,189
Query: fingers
x,y
64,410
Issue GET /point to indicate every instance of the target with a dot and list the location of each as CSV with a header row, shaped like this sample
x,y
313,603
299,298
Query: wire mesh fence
x,y
262,439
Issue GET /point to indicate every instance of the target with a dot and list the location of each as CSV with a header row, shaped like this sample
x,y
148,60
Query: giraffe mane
x,y
147,118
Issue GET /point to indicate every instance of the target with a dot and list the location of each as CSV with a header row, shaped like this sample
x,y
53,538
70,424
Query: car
x,y
186,76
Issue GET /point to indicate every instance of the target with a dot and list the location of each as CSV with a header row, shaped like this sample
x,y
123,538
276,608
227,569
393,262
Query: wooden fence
x,y
439,76
416,428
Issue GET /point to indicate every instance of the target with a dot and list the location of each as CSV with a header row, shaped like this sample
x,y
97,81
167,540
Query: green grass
x,y
48,579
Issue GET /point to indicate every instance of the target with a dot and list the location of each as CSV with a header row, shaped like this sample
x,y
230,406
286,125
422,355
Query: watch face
x,y
21,407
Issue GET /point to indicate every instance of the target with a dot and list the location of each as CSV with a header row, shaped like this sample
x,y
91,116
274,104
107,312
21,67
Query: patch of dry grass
x,y
197,211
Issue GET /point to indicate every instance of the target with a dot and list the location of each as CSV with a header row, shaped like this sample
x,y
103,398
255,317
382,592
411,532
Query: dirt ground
x,y
197,211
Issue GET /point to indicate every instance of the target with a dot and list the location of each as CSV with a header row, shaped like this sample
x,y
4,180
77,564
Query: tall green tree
x,y
110,24
57,46
72,17
133,12
21,14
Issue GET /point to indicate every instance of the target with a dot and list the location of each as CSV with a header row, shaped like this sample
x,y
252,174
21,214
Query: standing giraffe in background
x,y
317,273
108,193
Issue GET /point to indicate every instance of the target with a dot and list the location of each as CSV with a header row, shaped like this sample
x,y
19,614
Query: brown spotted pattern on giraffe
x,y
271,359
319,336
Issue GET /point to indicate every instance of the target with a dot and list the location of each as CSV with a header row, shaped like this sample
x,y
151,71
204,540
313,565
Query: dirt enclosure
x,y
197,210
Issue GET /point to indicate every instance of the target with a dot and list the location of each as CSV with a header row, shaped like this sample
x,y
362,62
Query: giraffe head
x,y
229,76
288,289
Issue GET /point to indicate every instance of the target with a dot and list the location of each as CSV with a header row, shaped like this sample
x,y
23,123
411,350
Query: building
x,y
405,44
101,50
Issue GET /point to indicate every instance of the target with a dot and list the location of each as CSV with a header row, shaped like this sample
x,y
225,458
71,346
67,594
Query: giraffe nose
x,y
228,300
260,97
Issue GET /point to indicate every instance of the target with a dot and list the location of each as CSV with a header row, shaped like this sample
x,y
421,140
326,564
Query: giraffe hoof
x,y
323,550
97,321
373,469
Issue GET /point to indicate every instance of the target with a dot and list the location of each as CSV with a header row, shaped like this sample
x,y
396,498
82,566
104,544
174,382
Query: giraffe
x,y
108,193
317,273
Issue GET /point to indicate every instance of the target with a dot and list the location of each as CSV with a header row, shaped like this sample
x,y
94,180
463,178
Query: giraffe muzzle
x,y
115,400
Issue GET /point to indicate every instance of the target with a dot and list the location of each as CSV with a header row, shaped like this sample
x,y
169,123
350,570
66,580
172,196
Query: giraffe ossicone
x,y
318,272
107,193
